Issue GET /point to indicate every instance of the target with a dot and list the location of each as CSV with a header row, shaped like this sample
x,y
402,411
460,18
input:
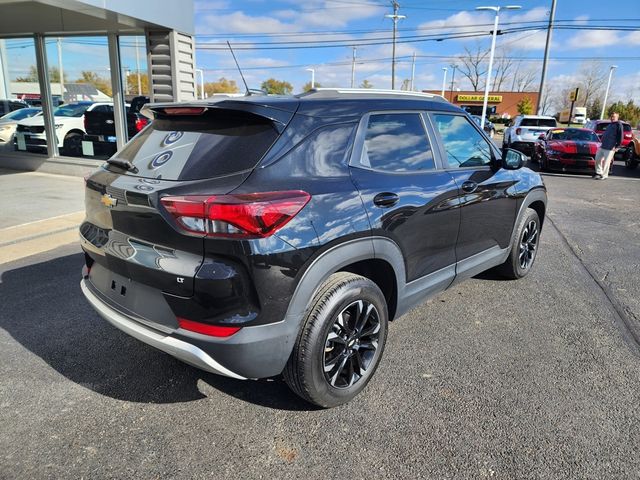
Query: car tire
x,y
347,313
629,158
524,247
72,145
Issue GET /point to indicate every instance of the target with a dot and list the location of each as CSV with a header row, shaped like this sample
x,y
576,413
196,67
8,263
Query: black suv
x,y
259,236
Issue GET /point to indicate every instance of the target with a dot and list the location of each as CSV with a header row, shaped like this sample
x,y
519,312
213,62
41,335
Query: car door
x,y
487,195
408,197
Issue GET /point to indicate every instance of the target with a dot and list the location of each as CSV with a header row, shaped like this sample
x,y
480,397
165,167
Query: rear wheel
x,y
630,159
341,341
72,146
524,247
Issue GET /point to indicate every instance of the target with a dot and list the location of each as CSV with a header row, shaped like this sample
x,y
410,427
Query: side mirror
x,y
513,159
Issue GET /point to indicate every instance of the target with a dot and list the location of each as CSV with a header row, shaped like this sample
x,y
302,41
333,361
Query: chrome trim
x,y
177,348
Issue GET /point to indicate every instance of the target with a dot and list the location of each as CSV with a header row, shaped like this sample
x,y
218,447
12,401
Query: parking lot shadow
x,y
44,310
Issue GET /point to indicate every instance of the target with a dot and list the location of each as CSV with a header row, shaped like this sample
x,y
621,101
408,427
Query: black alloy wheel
x,y
351,344
524,247
528,245
630,160
341,341
72,146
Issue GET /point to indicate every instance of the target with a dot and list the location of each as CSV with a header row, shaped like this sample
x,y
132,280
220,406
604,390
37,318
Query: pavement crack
x,y
628,320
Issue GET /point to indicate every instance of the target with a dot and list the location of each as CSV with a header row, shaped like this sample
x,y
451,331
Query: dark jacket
x,y
612,136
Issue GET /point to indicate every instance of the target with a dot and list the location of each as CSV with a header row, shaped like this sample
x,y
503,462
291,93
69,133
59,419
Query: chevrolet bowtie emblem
x,y
108,201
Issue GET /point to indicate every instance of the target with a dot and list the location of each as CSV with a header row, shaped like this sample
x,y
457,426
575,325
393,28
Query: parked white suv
x,y
522,134
69,122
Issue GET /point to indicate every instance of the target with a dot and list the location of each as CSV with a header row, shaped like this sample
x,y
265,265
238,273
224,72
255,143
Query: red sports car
x,y
567,149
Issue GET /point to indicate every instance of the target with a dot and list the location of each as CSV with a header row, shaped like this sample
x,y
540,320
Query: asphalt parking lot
x,y
492,379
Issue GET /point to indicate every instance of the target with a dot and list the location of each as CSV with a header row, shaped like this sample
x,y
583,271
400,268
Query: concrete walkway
x,y
39,212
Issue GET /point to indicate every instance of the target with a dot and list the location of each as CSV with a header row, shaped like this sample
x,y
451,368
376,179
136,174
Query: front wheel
x,y
630,159
341,341
524,247
72,145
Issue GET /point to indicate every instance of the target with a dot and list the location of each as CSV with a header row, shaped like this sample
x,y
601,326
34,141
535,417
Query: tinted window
x,y
103,109
464,145
397,142
219,142
21,114
71,110
574,135
538,122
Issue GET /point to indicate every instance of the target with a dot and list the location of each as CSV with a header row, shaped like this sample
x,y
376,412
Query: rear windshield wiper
x,y
125,164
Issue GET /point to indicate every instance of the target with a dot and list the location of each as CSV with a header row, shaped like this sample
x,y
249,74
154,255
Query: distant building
x,y
73,92
500,104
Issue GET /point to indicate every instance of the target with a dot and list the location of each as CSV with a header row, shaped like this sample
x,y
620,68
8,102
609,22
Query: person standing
x,y
611,140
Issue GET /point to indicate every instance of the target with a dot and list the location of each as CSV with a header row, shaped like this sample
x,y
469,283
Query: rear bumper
x,y
181,350
254,352
524,147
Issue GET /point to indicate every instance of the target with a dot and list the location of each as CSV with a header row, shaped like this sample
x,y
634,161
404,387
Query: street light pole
x,y
493,48
413,71
453,79
353,68
395,17
606,93
313,77
547,47
444,80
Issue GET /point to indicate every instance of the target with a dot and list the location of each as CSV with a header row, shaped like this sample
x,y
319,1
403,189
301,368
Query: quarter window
x,y
397,142
464,145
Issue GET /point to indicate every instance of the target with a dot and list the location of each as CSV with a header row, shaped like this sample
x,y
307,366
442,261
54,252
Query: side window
x,y
103,109
397,142
464,145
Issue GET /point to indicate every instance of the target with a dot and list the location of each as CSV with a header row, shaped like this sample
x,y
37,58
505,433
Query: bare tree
x,y
593,77
523,78
503,65
472,65
547,102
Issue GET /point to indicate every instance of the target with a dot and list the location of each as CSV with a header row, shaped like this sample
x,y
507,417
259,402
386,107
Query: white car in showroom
x,y
69,124
8,125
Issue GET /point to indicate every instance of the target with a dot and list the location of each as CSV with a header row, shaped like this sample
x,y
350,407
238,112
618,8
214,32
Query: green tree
x,y
32,76
525,106
277,87
594,108
366,84
92,78
307,86
221,86
132,84
629,112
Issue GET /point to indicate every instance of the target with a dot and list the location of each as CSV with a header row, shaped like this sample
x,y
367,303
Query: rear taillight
x,y
206,329
518,131
251,215
85,122
141,123
628,135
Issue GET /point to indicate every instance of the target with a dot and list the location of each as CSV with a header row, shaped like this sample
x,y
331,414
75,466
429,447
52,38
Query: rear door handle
x,y
469,186
386,199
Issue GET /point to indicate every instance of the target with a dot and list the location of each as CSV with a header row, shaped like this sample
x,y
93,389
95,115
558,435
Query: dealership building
x,y
56,52
500,104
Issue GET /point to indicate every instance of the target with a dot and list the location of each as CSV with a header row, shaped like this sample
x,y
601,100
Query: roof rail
x,y
375,91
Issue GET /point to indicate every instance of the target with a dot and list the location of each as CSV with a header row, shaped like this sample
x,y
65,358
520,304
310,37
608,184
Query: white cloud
x,y
633,38
594,39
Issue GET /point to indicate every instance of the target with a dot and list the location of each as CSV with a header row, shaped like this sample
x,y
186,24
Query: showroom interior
x,y
60,58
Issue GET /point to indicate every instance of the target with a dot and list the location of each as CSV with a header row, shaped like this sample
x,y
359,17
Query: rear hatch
x,y
136,252
531,128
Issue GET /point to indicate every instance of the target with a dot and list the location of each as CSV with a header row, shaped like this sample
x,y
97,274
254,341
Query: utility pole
x,y
353,68
138,67
547,46
413,70
444,80
394,17
60,71
606,93
453,79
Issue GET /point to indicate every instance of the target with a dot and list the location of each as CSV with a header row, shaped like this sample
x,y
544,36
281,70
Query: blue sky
x,y
257,22
251,25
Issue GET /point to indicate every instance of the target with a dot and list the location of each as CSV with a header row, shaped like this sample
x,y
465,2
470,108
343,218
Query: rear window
x,y
219,142
538,122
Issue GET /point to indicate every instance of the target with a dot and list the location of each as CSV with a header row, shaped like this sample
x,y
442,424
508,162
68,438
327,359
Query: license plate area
x,y
133,298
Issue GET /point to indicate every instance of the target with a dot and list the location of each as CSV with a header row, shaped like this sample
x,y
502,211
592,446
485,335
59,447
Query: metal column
x,y
45,96
119,111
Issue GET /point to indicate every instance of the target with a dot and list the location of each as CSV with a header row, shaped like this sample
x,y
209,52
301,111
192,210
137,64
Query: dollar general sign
x,y
479,98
